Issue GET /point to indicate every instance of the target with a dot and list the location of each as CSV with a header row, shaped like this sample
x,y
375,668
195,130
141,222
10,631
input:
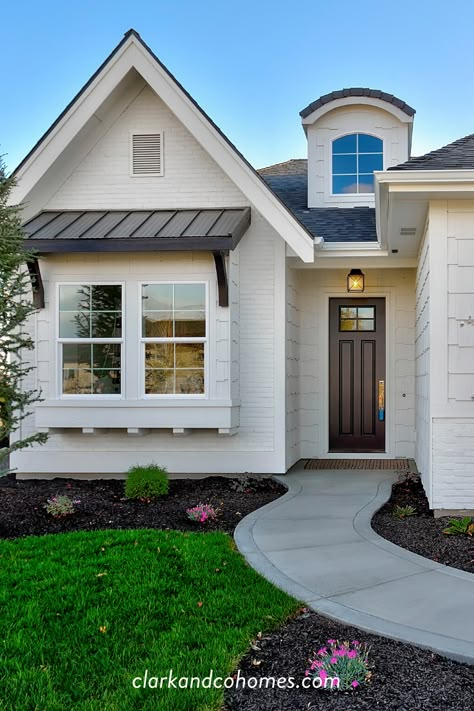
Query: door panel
x,y
357,366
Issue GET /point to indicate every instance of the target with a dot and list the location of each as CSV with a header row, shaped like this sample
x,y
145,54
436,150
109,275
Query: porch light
x,y
355,280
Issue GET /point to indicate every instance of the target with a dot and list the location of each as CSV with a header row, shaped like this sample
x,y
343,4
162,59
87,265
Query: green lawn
x,y
83,614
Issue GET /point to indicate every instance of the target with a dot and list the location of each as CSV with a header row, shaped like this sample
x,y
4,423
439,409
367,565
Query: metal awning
x,y
54,231
214,230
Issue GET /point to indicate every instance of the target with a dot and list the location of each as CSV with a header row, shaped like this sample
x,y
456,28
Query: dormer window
x,y
354,159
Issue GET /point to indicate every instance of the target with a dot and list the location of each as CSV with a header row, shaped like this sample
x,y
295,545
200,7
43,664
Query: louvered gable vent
x,y
147,154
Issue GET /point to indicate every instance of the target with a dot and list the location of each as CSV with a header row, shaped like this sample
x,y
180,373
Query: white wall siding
x,y
102,179
452,283
293,355
422,367
315,287
242,365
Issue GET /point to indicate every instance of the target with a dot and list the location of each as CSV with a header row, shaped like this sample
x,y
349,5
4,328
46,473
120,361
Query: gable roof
x,y
133,53
294,166
357,91
458,155
333,224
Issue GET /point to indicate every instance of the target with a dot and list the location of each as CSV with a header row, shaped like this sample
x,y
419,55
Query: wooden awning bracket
x,y
36,283
222,283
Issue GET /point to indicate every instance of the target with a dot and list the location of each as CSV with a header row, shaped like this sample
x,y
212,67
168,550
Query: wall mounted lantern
x,y
355,280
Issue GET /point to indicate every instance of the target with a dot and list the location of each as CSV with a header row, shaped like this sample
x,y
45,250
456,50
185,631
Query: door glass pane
x,y
348,324
365,325
366,312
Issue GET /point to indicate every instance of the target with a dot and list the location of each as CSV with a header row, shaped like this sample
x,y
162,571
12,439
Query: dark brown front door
x,y
357,375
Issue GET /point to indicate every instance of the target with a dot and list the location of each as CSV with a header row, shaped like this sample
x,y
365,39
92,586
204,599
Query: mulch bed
x,y
404,678
103,505
422,533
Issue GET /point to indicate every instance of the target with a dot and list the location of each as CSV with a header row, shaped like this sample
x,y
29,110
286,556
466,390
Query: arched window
x,y
354,159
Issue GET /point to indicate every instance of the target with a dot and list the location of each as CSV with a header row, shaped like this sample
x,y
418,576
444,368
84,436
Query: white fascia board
x,y
424,180
134,55
344,102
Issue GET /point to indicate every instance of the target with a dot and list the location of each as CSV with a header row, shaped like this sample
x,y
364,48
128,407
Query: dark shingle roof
x,y
357,91
458,155
334,224
295,166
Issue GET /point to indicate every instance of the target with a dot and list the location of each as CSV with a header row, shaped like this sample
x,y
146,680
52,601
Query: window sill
x,y
182,414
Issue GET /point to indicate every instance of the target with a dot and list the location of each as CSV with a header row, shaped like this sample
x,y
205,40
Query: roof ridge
x,y
441,152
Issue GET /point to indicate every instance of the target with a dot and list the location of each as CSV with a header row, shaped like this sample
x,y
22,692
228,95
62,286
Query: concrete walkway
x,y
316,543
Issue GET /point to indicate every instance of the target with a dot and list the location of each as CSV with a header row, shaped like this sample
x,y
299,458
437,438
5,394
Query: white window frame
x,y
130,153
60,341
331,174
143,340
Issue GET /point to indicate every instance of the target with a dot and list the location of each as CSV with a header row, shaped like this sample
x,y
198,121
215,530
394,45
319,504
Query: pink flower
x,y
318,664
355,683
333,660
355,642
322,651
323,674
331,641
352,654
306,672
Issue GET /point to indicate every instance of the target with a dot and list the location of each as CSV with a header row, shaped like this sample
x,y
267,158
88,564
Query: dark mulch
x,y
422,533
404,678
103,505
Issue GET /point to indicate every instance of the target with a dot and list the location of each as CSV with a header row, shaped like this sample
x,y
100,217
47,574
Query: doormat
x,y
399,465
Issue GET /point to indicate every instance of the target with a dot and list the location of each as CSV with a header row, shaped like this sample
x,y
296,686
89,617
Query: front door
x,y
357,375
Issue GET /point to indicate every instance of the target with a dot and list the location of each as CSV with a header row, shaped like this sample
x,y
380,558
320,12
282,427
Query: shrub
x,y
402,512
244,484
460,527
146,483
343,661
202,513
59,506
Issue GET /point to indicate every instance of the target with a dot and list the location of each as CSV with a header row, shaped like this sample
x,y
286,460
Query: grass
x,y
82,614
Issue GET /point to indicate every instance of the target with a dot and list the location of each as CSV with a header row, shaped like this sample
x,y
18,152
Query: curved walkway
x,y
316,542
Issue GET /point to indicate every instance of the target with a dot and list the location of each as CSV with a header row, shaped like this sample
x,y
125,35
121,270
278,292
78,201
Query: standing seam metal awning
x,y
214,230
138,230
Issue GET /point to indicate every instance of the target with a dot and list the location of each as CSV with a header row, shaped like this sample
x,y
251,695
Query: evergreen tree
x,y
16,308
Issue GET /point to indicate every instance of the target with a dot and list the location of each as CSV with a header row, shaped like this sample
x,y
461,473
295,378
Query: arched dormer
x,y
352,133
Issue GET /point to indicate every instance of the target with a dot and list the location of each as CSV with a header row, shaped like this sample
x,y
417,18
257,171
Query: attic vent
x,y
408,231
147,154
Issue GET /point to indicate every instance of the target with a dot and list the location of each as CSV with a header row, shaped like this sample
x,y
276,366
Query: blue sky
x,y
251,64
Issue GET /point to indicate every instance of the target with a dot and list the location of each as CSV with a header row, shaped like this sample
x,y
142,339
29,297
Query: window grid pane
x,y
88,312
174,359
357,318
354,159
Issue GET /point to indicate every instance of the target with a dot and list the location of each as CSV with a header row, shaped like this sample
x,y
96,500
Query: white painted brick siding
x,y
293,356
102,180
422,367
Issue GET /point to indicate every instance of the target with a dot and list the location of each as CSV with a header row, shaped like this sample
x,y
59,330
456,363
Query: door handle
x,y
381,400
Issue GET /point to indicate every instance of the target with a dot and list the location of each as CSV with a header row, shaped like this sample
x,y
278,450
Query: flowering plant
x,y
59,506
345,661
202,513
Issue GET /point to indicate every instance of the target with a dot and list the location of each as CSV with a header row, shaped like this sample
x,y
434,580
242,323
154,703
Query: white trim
x,y
346,101
59,341
390,432
143,340
133,54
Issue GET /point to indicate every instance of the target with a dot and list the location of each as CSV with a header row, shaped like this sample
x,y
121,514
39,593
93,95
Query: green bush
x,y
147,482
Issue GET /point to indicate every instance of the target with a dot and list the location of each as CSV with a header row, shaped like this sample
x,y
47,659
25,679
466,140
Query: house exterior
x,y
211,318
